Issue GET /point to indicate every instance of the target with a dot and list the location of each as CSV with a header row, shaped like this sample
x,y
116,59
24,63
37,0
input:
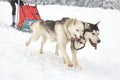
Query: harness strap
x,y
46,26
73,42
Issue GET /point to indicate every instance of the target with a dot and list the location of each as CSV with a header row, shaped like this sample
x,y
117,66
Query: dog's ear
x,y
74,21
97,23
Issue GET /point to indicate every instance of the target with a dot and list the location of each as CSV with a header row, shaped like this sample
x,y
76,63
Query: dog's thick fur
x,y
61,31
91,34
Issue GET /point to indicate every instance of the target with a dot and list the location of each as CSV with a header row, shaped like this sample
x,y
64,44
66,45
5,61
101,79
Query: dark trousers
x,y
12,3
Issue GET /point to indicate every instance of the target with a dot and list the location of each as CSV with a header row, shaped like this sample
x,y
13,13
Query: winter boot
x,y
13,24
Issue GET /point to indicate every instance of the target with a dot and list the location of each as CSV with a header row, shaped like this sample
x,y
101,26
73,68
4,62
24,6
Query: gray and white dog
x,y
61,31
91,34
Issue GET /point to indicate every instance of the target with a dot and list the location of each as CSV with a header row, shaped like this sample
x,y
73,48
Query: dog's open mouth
x,y
75,38
93,44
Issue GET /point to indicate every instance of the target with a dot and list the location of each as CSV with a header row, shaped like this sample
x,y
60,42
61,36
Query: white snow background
x,y
18,62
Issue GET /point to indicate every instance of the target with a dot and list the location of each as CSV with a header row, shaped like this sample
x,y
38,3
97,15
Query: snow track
x,y
18,62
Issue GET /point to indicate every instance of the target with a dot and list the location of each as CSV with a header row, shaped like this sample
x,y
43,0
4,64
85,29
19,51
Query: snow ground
x,y
18,62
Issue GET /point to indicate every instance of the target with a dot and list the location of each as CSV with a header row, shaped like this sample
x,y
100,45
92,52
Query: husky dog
x,y
91,34
61,31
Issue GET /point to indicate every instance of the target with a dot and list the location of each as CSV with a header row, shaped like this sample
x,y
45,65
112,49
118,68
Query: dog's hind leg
x,y
44,39
28,42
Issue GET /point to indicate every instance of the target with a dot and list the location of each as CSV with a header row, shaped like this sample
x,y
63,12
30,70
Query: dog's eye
x,y
77,30
93,33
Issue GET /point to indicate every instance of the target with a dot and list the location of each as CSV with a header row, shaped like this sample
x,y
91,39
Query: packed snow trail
x,y
18,62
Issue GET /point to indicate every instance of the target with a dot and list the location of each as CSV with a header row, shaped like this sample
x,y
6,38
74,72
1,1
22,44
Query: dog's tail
x,y
35,25
31,25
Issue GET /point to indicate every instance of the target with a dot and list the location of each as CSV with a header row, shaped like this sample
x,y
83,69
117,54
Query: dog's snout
x,y
99,41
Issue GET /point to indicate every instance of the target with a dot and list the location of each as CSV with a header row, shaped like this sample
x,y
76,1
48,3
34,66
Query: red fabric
x,y
27,12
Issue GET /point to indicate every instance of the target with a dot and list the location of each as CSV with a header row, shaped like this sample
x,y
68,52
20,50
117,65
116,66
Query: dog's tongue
x,y
93,44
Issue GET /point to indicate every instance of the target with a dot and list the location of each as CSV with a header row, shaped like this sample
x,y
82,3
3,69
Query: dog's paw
x,y
27,43
70,65
76,64
56,53
41,52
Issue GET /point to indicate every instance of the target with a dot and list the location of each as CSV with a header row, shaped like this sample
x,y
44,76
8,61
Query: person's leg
x,y
19,4
13,13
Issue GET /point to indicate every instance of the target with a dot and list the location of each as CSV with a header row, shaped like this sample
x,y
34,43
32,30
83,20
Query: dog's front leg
x,y
62,42
74,54
62,47
56,50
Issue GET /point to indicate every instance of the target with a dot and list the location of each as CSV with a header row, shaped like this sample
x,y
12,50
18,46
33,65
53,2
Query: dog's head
x,y
76,29
92,34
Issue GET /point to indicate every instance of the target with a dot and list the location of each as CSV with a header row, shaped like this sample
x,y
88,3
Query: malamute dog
x,y
61,31
91,34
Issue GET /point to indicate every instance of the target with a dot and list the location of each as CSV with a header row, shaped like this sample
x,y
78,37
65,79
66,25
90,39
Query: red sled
x,y
27,12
